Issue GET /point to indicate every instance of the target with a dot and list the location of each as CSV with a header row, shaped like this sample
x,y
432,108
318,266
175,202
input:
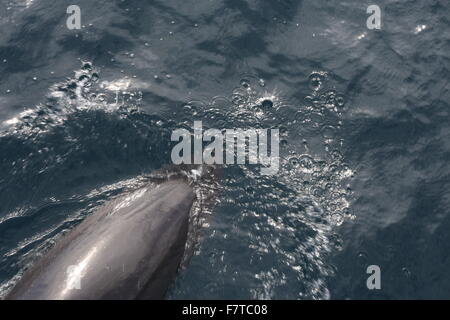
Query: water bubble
x,y
316,80
316,118
220,102
309,100
83,77
194,107
262,83
340,101
267,104
187,107
294,161
328,132
35,78
318,192
72,85
87,66
245,83
306,163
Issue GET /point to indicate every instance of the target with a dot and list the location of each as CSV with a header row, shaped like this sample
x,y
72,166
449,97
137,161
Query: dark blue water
x,y
86,115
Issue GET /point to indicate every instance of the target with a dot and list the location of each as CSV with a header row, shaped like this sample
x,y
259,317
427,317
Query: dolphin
x,y
129,248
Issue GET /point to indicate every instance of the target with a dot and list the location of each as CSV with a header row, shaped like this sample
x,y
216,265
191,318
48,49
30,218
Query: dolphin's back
x,y
128,249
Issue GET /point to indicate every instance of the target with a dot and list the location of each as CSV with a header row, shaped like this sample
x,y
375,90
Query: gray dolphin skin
x,y
130,248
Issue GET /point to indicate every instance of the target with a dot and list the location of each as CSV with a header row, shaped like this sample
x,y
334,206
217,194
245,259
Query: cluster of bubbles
x,y
282,226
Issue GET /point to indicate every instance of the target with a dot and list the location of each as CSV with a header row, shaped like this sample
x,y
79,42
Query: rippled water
x,y
87,115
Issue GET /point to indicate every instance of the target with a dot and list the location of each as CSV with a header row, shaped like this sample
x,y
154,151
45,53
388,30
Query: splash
x,y
281,227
